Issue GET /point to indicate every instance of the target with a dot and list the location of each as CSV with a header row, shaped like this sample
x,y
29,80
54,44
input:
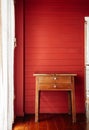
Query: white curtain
x,y
6,64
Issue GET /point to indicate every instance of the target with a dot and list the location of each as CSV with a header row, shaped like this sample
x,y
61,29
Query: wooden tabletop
x,y
53,74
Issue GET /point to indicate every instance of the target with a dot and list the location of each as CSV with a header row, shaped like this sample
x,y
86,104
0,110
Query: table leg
x,y
36,106
69,103
73,106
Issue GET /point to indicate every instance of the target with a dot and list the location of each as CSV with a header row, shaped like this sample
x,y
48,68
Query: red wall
x,y
19,59
54,42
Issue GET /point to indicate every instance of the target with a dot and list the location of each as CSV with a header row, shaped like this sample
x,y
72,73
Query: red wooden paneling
x,y
18,59
54,42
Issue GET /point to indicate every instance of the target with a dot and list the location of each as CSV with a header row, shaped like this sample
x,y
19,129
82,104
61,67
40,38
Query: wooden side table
x,y
56,82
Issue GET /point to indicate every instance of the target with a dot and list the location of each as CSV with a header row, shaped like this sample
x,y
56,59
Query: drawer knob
x,y
54,86
55,78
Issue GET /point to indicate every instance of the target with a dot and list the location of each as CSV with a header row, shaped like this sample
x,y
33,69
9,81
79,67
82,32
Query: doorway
x,y
87,54
87,63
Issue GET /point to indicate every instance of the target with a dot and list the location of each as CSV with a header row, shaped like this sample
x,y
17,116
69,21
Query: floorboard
x,y
53,122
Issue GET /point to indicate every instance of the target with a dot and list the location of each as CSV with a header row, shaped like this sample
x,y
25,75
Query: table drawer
x,y
55,79
54,86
